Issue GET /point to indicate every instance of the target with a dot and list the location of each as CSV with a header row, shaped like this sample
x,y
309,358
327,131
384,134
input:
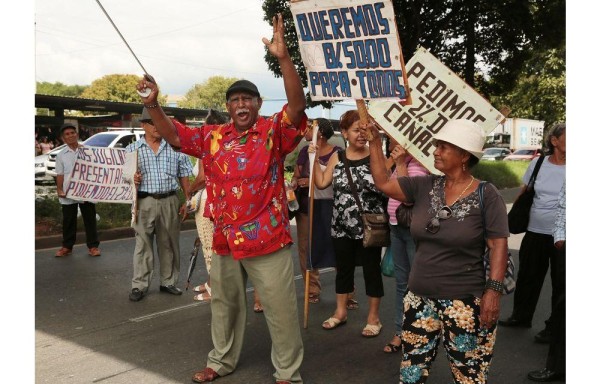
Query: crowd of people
x,y
442,293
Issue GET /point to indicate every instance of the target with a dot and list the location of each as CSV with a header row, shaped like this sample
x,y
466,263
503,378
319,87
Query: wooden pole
x,y
311,193
364,116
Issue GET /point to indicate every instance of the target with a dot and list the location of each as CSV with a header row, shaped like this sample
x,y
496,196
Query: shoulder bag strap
x,y
538,165
482,206
350,181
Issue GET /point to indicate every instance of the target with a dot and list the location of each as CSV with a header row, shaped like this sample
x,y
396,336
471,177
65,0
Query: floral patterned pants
x,y
468,346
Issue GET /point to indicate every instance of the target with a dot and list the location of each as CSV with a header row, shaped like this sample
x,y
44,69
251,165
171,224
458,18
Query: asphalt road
x,y
87,330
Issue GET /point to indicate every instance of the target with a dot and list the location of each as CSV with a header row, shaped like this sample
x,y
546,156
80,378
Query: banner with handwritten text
x,y
438,95
351,50
101,174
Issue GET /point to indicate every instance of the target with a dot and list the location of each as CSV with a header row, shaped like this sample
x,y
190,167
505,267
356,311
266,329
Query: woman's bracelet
x,y
151,105
494,285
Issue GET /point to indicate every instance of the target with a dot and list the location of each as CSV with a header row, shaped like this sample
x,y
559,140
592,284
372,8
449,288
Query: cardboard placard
x,y
351,50
438,95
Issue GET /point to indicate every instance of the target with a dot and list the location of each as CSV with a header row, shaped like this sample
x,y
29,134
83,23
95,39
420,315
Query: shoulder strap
x,y
342,154
538,165
482,205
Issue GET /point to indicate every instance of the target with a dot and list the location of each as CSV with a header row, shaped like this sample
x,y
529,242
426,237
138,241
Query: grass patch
x,y
503,174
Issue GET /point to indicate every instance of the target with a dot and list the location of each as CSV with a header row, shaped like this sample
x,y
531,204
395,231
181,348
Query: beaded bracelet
x,y
494,285
151,105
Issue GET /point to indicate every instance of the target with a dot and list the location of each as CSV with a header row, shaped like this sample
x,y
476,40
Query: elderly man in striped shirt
x,y
160,172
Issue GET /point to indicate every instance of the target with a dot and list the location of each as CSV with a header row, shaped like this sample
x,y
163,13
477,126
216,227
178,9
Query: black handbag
x,y
518,217
376,229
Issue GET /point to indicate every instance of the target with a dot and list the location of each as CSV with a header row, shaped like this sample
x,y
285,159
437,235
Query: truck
x,y
517,133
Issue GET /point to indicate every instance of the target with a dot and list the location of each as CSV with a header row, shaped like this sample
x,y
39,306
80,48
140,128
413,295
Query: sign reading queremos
x,y
351,50
438,95
103,175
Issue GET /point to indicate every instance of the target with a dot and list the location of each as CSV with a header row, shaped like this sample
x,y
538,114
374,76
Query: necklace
x,y
464,190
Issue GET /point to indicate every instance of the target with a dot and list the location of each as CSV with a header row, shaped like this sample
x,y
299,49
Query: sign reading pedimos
x,y
100,175
438,95
350,49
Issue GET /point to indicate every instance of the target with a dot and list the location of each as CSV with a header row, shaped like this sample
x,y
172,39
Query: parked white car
x,y
110,139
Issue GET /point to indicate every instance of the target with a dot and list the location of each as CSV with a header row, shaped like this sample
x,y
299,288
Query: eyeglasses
x,y
241,99
434,224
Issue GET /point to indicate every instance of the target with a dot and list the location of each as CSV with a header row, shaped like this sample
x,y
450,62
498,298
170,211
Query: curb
x,y
54,241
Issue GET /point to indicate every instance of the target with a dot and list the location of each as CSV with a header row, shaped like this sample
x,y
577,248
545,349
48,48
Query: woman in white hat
x,y
448,296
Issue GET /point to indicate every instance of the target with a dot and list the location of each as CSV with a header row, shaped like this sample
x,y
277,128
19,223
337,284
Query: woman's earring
x,y
464,167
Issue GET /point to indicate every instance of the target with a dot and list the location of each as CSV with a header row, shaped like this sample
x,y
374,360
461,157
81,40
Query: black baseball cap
x,y
242,86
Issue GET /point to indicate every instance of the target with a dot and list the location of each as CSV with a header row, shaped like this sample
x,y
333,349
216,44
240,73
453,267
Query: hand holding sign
x,y
148,90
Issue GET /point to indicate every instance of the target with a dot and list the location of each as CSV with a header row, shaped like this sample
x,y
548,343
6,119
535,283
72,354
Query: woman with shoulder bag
x,y
537,247
402,245
346,225
448,297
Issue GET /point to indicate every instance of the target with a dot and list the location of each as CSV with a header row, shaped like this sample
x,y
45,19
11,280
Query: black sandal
x,y
393,348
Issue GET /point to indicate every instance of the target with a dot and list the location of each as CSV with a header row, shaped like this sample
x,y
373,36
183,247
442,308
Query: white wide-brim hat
x,y
463,133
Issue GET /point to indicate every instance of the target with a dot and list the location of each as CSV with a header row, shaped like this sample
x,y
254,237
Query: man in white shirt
x,y
65,161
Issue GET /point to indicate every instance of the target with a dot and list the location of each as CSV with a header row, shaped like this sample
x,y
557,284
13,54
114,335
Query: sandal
x,y
258,308
205,375
391,347
372,330
201,288
314,298
351,304
333,323
204,296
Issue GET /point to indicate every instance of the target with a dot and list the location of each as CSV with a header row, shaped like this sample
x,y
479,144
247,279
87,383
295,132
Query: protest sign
x,y
351,50
100,175
438,95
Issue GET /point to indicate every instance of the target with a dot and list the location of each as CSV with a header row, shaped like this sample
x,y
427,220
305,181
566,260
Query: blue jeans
x,y
403,248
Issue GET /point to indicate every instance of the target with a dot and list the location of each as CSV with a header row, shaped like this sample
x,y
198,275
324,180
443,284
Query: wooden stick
x,y
311,193
364,116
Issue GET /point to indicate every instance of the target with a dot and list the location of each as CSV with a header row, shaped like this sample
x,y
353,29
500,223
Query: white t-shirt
x,y
547,186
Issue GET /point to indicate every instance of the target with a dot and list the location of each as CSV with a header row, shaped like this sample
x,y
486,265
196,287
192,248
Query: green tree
x,y
478,39
59,89
116,87
209,94
540,90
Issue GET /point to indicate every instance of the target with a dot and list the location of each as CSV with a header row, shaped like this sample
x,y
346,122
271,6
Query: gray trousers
x,y
273,276
156,219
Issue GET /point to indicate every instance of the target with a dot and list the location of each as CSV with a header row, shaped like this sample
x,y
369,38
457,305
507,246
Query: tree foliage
x,y
480,40
59,89
116,87
539,92
208,95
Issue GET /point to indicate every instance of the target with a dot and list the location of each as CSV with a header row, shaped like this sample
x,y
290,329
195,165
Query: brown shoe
x,y
205,375
63,252
94,251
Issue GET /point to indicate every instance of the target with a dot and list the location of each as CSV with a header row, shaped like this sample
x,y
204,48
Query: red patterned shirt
x,y
244,180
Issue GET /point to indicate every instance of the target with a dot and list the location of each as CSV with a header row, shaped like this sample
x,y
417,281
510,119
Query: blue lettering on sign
x,y
336,23
303,27
381,83
347,22
324,24
333,84
363,20
367,54
332,55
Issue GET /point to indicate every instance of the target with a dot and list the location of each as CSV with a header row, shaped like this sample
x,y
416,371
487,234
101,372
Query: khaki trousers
x,y
273,276
156,218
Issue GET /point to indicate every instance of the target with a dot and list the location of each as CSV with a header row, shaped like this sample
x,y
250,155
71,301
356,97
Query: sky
x,y
182,44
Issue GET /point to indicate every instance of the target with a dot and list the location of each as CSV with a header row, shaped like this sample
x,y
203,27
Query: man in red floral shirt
x,y
243,161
